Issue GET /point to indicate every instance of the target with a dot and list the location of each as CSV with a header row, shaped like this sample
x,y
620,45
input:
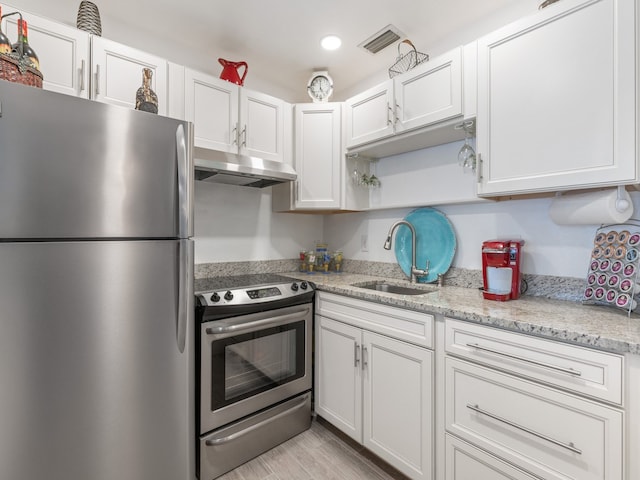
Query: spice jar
x,y
337,261
311,261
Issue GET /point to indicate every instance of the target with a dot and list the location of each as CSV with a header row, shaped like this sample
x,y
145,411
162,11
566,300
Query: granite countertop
x,y
591,325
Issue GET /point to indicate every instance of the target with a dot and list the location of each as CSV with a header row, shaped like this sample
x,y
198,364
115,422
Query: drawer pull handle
x,y
570,371
356,358
568,446
213,442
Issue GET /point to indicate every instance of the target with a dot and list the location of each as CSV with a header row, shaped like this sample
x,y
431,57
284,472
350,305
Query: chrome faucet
x,y
415,272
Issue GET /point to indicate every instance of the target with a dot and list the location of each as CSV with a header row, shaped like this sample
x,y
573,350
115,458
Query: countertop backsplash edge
x,y
546,286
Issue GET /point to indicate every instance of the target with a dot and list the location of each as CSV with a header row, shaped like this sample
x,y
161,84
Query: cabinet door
x,y
429,93
63,52
398,404
261,125
338,380
117,74
175,89
318,156
369,115
466,462
556,99
212,105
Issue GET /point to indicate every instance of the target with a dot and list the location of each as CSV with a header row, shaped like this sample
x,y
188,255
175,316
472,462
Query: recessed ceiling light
x,y
331,42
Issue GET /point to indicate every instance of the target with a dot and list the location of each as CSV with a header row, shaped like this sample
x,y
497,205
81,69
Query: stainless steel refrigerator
x,y
96,291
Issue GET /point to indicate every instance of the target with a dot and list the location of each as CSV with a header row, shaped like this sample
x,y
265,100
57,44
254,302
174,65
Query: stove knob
x,y
228,295
303,285
294,287
215,298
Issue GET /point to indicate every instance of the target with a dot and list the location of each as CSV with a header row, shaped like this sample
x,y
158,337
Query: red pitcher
x,y
230,71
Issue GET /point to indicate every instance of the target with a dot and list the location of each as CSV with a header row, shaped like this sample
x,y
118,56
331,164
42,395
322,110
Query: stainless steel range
x,y
254,366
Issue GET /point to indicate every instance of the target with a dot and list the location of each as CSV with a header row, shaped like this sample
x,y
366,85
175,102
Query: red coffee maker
x,y
501,269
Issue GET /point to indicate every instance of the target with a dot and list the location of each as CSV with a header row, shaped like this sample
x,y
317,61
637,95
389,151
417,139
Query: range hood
x,y
222,167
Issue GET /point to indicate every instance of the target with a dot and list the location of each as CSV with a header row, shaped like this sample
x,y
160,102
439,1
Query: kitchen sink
x,y
398,289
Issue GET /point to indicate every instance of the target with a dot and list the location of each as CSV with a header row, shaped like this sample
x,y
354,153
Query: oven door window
x,y
248,364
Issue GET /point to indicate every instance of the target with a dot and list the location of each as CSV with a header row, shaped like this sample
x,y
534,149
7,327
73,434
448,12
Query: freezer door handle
x,y
183,185
184,307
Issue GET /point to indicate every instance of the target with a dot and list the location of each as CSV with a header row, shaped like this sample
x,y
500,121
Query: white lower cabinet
x,y
397,409
338,393
466,462
530,424
376,389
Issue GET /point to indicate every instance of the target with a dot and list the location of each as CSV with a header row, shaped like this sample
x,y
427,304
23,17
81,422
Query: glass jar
x,y
302,261
337,261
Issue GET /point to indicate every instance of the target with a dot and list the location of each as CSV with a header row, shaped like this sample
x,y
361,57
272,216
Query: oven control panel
x,y
253,295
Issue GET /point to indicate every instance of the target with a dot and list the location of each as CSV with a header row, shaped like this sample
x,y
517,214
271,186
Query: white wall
x,y
235,224
550,249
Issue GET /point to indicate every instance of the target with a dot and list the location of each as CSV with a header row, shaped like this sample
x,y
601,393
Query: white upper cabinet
x,y
323,181
234,119
369,115
557,99
261,125
318,156
117,74
63,52
423,97
175,87
429,93
212,105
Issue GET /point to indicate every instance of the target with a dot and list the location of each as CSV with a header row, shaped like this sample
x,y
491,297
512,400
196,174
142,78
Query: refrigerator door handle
x,y
184,307
183,185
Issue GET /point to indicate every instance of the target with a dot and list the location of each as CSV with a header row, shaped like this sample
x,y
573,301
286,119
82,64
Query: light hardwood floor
x,y
320,453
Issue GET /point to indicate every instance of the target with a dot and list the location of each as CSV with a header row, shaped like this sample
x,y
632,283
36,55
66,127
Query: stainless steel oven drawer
x,y
231,446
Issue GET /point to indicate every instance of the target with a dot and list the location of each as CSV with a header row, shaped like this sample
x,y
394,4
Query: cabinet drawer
x,y
466,462
549,433
407,325
582,370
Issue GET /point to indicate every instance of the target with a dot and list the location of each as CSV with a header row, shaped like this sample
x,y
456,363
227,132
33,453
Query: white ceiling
x,y
279,39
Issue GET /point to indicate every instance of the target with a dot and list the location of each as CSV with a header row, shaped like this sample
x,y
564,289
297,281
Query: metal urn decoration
x,y
89,18
146,98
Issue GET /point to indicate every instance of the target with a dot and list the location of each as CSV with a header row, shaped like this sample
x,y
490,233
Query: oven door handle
x,y
234,436
266,322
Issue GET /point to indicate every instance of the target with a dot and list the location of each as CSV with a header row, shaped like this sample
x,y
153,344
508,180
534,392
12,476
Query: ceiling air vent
x,y
381,39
